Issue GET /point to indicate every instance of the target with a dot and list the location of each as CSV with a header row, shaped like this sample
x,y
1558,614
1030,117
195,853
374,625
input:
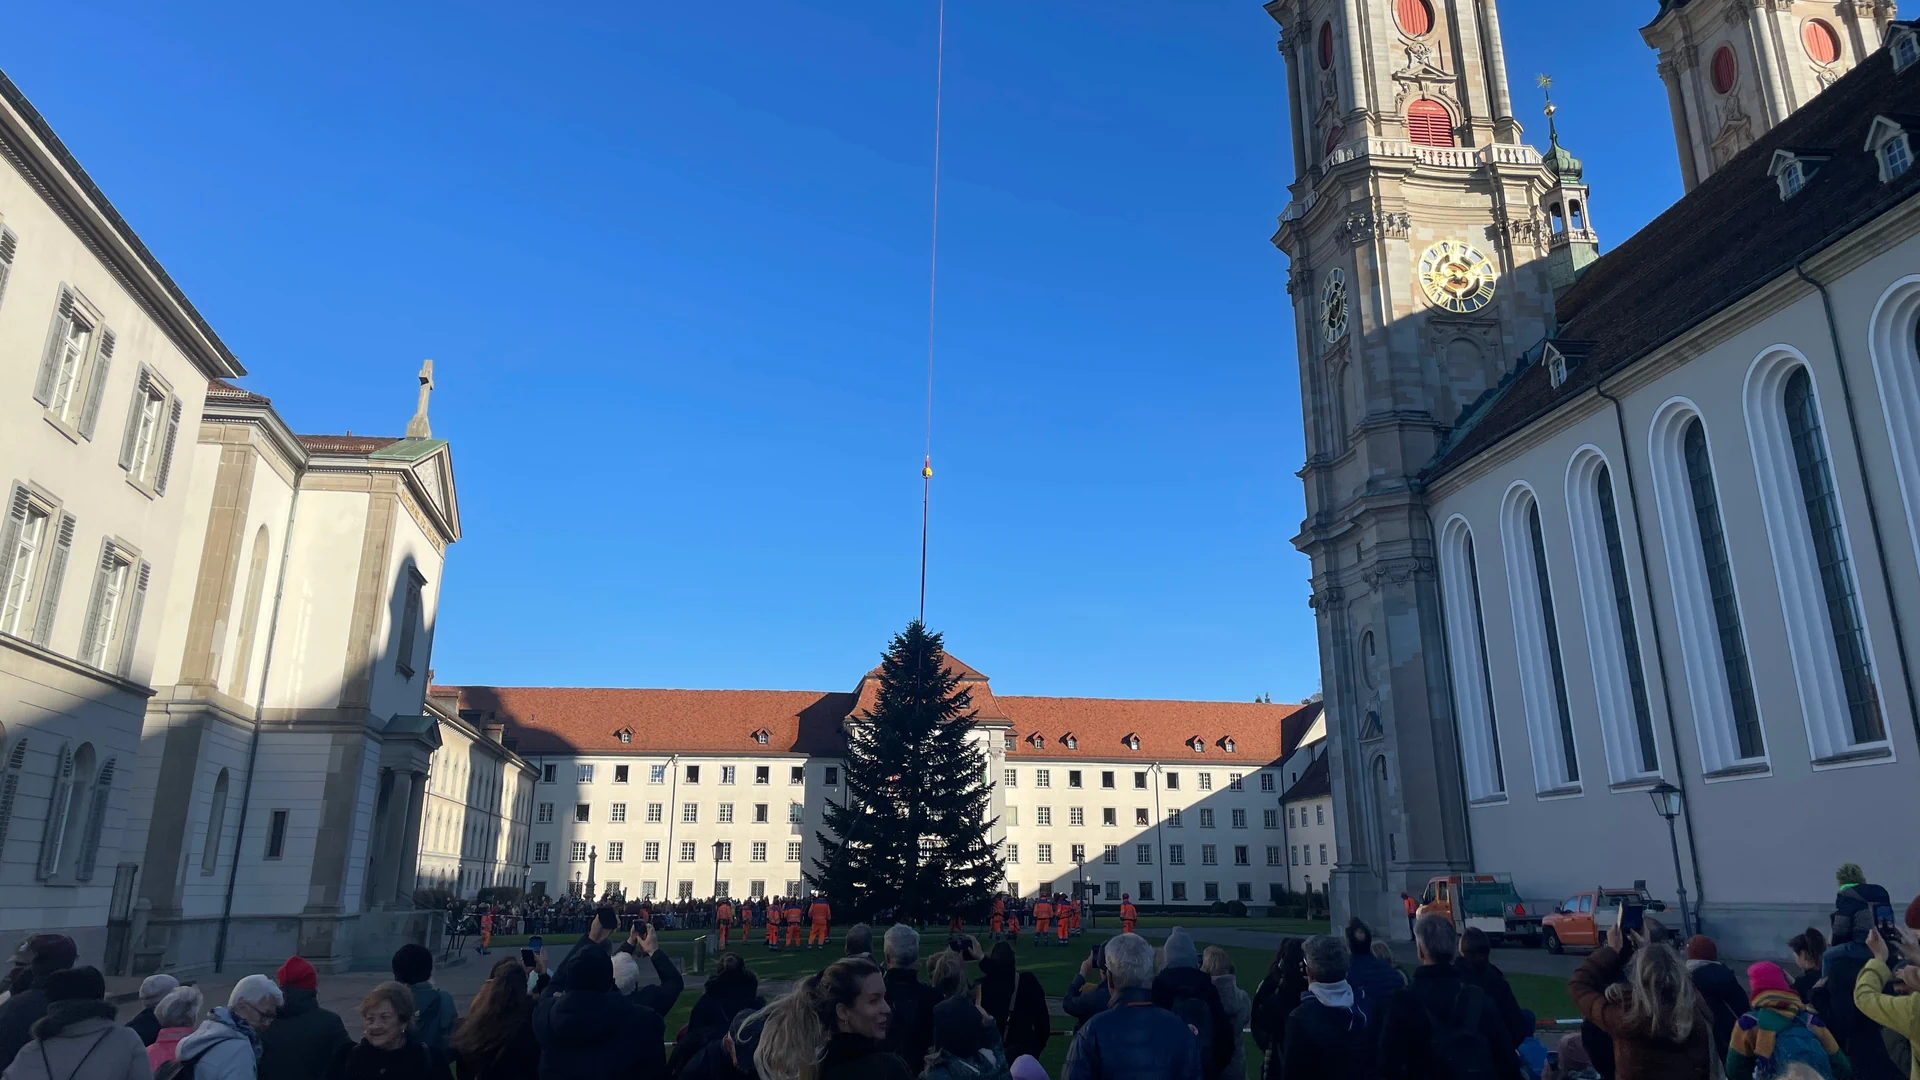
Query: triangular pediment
x,y
433,475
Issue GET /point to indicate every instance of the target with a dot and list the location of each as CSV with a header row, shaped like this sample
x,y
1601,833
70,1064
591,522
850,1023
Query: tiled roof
x,y
1315,783
985,706
345,444
1295,726
579,720
1718,244
1100,727
221,390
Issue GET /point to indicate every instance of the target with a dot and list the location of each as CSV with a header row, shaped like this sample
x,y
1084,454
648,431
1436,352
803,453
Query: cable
x,y
933,293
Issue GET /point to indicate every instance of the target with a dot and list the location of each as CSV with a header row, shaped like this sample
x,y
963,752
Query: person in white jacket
x,y
227,1044
77,1039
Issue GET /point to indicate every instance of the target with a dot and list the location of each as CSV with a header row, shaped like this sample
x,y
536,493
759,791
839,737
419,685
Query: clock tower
x,y
1417,239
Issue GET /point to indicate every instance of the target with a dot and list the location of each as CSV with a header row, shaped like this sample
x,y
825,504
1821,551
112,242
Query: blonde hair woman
x,y
1644,999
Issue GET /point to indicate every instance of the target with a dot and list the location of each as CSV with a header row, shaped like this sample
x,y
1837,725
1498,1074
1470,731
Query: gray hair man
x,y
860,940
1134,1038
910,1032
226,1044
180,1008
1406,1038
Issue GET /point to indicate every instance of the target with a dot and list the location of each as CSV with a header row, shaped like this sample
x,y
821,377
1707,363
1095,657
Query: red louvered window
x,y
1823,44
1429,124
1726,70
1416,16
1326,44
1333,138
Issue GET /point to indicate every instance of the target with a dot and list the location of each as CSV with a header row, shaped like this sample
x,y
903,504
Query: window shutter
x,y
9,246
132,433
56,576
90,630
10,534
56,340
96,822
10,787
1429,123
132,632
166,454
97,384
56,816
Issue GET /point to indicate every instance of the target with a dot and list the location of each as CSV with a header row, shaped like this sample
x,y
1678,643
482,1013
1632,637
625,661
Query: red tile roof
x,y
222,390
345,444
1100,727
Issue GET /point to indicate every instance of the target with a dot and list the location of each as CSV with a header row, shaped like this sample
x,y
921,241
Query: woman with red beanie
x,y
300,1045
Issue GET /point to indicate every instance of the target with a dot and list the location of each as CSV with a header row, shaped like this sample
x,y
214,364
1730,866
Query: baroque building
x,y
1584,526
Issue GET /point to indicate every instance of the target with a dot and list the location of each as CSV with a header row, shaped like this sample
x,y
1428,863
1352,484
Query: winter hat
x,y
156,987
297,974
1701,947
958,1028
1179,951
76,984
412,964
592,972
1026,1067
46,952
1573,1052
1849,874
1766,975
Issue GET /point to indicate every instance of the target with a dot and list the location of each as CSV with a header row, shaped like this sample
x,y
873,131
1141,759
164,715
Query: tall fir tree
x,y
913,837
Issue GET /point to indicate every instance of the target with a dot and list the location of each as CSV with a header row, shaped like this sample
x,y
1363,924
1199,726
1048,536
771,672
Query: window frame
x,y
1537,654
1610,613
1478,719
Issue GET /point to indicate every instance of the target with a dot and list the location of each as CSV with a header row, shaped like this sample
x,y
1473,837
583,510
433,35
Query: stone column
x,y
1682,131
379,866
407,867
1497,59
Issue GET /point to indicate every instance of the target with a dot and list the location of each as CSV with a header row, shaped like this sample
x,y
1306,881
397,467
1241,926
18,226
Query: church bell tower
x,y
1417,249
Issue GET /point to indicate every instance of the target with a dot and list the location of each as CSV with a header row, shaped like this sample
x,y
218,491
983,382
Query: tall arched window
x,y
1706,602
1894,338
1472,678
1536,633
1429,123
1819,593
1613,638
250,617
216,823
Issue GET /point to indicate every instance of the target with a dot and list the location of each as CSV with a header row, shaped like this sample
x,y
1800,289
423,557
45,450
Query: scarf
x,y
1785,1002
62,1014
227,1017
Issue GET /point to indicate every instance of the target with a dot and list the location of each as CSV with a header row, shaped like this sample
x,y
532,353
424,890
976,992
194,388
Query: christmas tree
x,y
911,841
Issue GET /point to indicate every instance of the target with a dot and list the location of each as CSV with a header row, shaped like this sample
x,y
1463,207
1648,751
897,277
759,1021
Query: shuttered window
x,y
1429,123
1823,44
1415,16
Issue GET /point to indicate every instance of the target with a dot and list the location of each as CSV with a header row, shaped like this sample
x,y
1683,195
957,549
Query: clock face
x,y
1456,277
1333,306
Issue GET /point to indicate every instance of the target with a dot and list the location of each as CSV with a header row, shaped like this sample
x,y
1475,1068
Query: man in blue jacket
x,y
1133,1039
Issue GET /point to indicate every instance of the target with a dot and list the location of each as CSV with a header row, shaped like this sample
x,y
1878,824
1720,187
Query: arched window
x,y
1713,642
71,821
1613,638
1429,123
1575,214
1326,45
1819,594
1823,44
216,823
1472,679
1726,70
250,617
1536,632
99,798
1556,218
1894,340
1414,16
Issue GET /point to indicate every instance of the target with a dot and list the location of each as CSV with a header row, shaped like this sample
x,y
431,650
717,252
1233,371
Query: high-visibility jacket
x,y
1042,911
724,913
1128,913
999,907
819,912
792,915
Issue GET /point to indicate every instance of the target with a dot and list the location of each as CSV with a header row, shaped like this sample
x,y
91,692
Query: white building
x,y
692,793
479,809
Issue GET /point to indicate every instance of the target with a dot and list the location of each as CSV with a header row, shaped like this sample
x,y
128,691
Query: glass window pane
x,y
1629,632
1486,671
1545,588
1726,607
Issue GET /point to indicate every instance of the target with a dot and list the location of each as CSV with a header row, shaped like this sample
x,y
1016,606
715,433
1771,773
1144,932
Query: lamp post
x,y
1667,803
716,871
593,858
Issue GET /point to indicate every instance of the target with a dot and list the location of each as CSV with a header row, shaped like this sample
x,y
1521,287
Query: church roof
x,y
1707,252
346,444
1315,783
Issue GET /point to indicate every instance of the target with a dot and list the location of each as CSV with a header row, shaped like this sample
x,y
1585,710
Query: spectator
x,y
1087,995
1780,1032
1437,1024
909,1001
37,958
1476,969
1808,947
589,1031
860,941
947,976
1374,981
1188,993
152,989
1278,995
226,1045
1900,1013
1218,966
496,1040
433,1011
732,988
662,994
1718,987
1027,1067
177,1013
1327,1037
387,1049
1846,956
304,1040
966,1045
1016,1001
77,1039
1658,1024
1133,1039
730,1057
831,1027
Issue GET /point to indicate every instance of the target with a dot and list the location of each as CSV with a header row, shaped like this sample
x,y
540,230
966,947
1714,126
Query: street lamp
x,y
1667,803
593,858
716,871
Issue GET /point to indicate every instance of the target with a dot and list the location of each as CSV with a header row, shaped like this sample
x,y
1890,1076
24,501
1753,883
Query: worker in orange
x,y
1128,914
792,916
486,930
998,922
1062,917
723,918
1413,909
818,915
1013,925
773,923
1073,907
1042,919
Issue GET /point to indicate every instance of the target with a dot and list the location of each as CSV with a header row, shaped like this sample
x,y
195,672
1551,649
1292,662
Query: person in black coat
x,y
155,987
731,1056
588,1031
37,957
661,996
734,989
1476,969
911,1002
387,1050
1278,995
1018,1003
1180,979
1437,990
1719,987
496,1040
1327,1036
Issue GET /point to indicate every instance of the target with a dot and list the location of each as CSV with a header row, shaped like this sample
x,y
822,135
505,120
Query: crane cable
x,y
933,292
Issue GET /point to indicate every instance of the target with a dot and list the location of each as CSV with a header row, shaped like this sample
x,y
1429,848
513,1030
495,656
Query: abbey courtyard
x,y
1600,530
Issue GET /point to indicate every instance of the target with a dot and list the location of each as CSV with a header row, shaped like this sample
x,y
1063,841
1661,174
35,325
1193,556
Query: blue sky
x,y
670,262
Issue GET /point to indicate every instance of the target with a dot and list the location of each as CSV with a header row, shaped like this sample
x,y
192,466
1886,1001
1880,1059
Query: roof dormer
x,y
1889,143
1791,169
1556,364
762,736
1226,743
1037,741
1903,41
1197,744
1069,741
1133,741
625,735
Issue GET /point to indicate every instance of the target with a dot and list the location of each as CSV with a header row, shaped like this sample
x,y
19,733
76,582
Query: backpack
x,y
179,1068
1456,1046
1795,1043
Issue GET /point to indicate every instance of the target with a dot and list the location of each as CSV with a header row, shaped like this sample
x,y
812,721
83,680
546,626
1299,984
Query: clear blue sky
x,y
670,262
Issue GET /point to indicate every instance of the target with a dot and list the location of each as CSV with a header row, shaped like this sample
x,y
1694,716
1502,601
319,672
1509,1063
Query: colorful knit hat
x,y
1765,976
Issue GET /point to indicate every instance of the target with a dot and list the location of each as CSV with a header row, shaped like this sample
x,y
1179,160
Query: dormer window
x,y
1887,141
1197,744
1556,366
1133,742
1037,741
1227,744
1905,45
1069,741
763,736
625,735
1791,169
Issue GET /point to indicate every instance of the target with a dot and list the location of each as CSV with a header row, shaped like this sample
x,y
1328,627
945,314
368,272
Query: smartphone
x,y
1633,918
534,944
1883,922
607,917
1099,957
1553,1058
642,927
528,958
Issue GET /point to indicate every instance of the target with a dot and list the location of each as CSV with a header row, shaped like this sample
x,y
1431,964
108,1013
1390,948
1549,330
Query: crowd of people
x,y
1331,1007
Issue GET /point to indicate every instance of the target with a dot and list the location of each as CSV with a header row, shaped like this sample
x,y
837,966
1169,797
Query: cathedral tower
x,y
1418,254
1735,68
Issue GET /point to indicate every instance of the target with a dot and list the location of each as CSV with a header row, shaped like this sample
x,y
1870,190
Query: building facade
x,y
1655,537
474,830
687,794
